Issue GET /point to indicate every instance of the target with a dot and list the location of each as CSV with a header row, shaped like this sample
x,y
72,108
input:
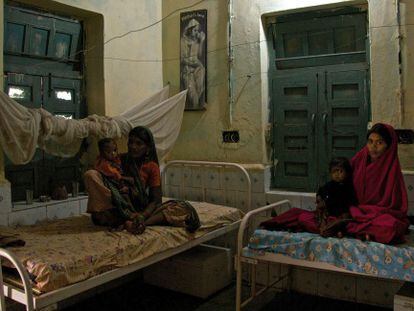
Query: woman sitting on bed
x,y
381,213
108,207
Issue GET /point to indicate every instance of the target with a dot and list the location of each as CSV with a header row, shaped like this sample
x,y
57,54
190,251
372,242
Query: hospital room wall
x,y
407,78
392,98
123,71
131,67
2,178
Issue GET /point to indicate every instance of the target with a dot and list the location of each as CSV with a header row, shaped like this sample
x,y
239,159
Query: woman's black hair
x,y
145,135
381,130
343,163
142,133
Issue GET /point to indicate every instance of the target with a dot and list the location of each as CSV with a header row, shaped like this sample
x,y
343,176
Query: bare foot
x,y
340,235
367,237
116,229
134,227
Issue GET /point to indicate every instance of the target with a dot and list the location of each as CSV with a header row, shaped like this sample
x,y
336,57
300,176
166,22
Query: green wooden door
x,y
294,130
43,68
319,114
319,93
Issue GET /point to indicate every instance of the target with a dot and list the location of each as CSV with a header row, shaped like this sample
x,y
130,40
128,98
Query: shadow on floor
x,y
136,295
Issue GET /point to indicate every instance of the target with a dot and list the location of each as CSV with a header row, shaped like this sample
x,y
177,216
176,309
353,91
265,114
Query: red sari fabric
x,y
295,219
382,197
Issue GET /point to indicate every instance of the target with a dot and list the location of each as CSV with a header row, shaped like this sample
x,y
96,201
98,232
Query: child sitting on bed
x,y
334,199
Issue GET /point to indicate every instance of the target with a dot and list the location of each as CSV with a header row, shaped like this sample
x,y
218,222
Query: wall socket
x,y
405,136
231,137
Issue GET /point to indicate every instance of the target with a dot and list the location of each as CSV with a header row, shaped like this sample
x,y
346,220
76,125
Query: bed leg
x,y
253,281
2,301
289,278
238,283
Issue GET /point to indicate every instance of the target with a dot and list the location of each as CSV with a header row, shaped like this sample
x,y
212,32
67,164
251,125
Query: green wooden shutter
x,y
347,114
43,66
294,130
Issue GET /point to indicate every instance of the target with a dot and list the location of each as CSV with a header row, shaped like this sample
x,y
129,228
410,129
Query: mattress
x,y
62,252
372,258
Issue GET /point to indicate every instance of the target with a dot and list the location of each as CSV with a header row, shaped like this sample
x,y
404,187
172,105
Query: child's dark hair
x,y
102,142
343,163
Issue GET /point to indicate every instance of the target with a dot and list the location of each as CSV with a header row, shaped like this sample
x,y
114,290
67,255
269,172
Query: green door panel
x,y
63,97
24,88
294,130
347,111
318,115
41,35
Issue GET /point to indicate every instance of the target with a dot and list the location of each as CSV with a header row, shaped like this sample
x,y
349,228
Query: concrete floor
x,y
138,296
135,295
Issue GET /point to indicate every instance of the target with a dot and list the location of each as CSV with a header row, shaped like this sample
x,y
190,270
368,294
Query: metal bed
x,y
245,256
33,301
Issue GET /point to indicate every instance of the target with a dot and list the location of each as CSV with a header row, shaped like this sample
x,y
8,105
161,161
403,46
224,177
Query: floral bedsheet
x,y
62,252
376,259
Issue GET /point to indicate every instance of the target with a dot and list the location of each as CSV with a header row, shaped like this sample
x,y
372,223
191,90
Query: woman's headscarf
x,y
379,185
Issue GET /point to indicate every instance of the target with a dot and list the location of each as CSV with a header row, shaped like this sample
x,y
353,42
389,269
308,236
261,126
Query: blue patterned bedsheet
x,y
376,259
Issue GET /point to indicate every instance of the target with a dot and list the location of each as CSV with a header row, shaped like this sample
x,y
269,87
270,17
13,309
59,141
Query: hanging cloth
x,y
23,129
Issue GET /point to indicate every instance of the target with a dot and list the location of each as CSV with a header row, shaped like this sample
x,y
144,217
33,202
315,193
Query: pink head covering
x,y
379,185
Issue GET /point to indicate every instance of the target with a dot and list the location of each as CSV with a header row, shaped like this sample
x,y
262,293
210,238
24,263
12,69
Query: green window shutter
x,y
43,66
294,130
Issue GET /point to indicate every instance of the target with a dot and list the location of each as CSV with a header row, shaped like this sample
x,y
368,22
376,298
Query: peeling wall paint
x,y
200,138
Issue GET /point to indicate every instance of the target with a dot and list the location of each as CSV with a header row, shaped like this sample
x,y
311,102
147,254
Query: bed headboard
x,y
216,182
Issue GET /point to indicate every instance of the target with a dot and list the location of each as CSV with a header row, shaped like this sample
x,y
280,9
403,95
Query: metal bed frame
x,y
252,260
50,299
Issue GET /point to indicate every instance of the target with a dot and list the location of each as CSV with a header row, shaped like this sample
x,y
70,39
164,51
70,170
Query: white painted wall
x,y
249,113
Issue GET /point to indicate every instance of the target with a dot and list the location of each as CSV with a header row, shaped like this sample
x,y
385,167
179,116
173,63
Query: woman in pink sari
x,y
381,213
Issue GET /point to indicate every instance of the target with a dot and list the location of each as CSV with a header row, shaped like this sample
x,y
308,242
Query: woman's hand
x,y
138,216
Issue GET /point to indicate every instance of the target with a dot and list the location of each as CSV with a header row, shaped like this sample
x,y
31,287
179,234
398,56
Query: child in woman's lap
x,y
334,199
108,164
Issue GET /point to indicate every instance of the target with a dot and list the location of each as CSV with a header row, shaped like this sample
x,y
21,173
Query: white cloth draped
x,y
23,129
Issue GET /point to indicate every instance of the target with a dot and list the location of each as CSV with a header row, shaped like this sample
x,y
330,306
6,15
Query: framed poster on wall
x,y
193,58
